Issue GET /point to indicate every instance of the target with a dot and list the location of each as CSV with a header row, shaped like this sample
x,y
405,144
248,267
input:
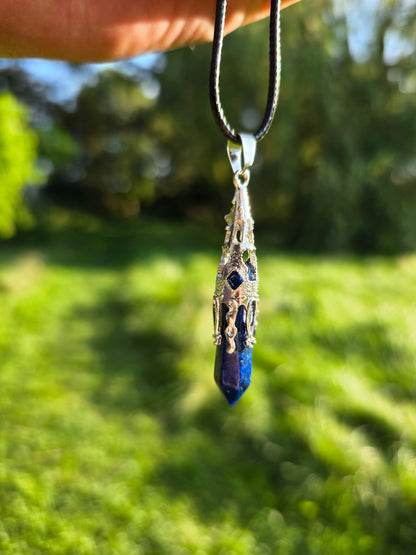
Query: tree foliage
x,y
18,154
336,170
114,163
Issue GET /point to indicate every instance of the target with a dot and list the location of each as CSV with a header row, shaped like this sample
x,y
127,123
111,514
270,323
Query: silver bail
x,y
242,155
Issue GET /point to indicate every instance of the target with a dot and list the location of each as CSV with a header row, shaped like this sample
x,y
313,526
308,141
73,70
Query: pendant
x,y
236,297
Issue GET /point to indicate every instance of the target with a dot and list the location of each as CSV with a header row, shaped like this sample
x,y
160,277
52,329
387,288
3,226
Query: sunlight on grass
x,y
115,438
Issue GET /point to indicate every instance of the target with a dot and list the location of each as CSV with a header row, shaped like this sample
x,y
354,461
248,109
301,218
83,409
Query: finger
x,y
100,30
164,27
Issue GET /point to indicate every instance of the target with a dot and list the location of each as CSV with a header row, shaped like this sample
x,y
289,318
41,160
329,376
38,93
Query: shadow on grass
x,y
220,459
112,245
369,340
387,363
143,359
217,462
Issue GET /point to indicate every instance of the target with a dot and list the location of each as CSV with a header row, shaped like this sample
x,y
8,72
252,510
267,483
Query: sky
x,y
361,16
65,81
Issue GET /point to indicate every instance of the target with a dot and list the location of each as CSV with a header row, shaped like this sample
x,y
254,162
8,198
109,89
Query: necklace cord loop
x,y
274,73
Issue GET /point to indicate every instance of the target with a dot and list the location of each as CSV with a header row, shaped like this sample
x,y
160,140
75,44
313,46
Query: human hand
x,y
99,30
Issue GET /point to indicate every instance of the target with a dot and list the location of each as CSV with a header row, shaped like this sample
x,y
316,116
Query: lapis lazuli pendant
x,y
235,298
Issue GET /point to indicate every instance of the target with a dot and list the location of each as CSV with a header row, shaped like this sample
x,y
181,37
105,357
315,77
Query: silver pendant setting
x,y
236,293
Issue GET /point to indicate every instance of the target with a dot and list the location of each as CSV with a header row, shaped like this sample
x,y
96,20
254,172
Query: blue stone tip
x,y
233,370
232,395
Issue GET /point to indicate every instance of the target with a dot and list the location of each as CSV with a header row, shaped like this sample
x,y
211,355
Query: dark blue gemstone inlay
x,y
233,371
234,280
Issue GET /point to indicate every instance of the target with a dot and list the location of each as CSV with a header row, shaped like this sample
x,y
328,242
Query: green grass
x,y
114,438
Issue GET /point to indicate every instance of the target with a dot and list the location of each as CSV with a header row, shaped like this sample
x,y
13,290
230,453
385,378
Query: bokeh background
x,y
114,438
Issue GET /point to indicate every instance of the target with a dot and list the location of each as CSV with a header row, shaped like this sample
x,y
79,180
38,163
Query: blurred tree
x,y
336,170
18,154
114,167
353,129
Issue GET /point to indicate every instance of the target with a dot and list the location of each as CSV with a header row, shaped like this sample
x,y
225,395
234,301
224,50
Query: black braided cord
x,y
274,72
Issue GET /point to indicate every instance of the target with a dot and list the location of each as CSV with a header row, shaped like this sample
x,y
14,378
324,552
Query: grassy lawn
x,y
114,438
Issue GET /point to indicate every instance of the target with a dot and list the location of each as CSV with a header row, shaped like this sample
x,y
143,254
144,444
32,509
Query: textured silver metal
x,y
237,278
242,155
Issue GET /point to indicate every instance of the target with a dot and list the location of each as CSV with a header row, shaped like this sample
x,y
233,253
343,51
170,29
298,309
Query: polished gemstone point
x,y
233,370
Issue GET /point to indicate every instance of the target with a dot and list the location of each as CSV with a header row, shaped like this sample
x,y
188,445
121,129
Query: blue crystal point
x,y
236,287
233,370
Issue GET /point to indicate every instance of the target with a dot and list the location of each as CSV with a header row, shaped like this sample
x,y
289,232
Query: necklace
x,y
235,302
